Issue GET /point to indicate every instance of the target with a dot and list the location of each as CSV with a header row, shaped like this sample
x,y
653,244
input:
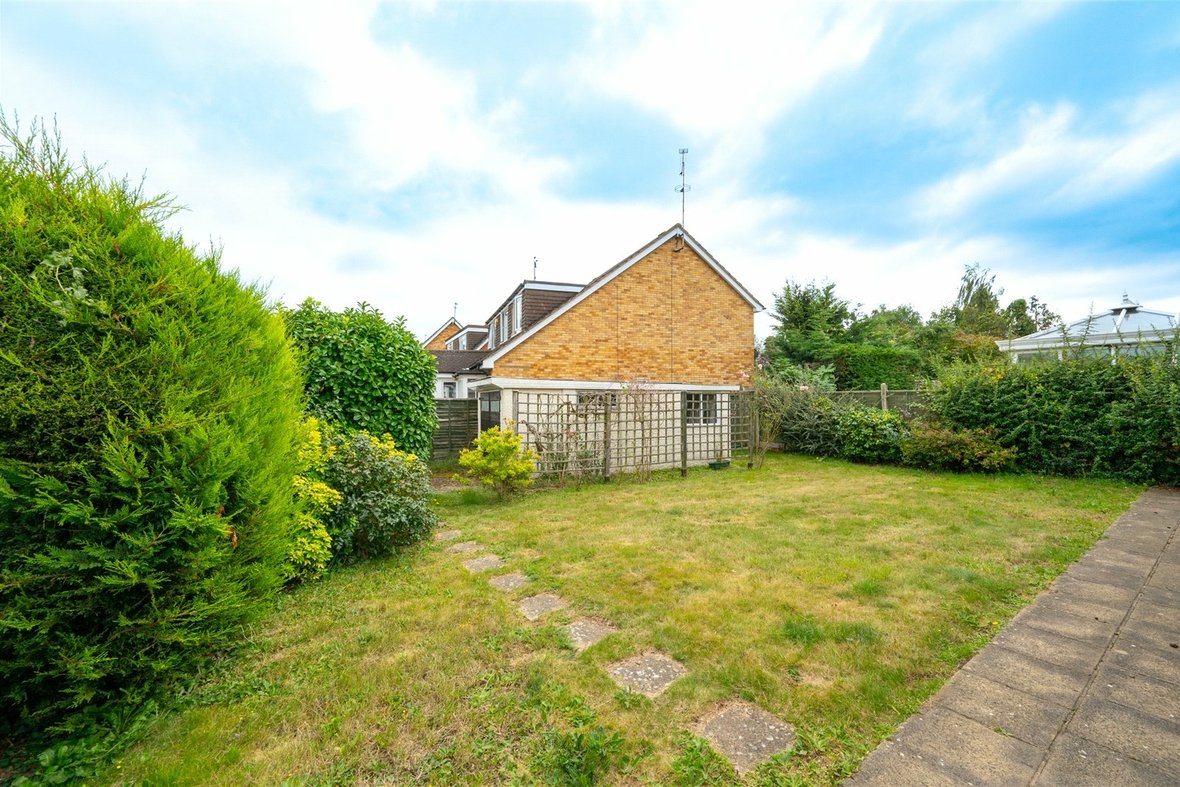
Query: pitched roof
x,y
1126,323
676,230
441,328
452,361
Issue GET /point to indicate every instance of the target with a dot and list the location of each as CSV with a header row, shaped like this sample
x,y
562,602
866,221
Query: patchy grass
x,y
837,597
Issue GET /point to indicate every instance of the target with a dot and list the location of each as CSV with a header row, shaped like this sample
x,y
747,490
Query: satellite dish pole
x,y
455,311
683,188
534,268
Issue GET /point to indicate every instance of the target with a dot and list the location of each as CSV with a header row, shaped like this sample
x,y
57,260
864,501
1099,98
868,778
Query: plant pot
x,y
719,465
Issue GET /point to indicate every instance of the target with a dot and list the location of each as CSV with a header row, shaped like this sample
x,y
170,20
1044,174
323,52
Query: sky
x,y
418,155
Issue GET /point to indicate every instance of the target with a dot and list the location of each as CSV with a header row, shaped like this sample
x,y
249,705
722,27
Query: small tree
x,y
500,461
363,372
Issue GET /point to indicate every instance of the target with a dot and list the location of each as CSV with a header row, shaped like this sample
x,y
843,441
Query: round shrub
x,y
365,373
868,435
149,414
385,497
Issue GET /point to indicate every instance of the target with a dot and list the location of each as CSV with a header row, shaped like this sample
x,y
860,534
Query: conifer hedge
x,y
149,416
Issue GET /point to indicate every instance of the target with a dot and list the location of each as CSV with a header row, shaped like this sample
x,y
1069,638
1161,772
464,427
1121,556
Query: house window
x,y
448,390
504,326
489,410
463,342
517,313
492,335
702,408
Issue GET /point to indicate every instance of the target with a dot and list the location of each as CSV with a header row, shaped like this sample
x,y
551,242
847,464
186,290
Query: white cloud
x,y
1056,167
723,73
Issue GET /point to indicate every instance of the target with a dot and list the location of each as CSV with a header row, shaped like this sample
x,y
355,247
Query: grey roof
x,y
452,361
1126,323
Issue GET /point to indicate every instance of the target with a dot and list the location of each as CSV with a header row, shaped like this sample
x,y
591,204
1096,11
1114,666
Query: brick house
x,y
668,317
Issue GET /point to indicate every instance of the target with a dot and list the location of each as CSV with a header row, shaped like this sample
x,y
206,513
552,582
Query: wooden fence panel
x,y
458,425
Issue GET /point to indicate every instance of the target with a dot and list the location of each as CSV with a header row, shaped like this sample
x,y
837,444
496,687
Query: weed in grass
x,y
630,700
697,764
581,756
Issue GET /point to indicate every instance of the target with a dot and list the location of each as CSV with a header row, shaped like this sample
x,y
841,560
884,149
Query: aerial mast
x,y
683,188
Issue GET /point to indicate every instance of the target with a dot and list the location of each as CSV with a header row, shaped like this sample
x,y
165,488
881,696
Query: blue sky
x,y
414,155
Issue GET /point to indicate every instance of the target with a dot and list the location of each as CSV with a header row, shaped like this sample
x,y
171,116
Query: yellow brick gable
x,y
440,342
669,318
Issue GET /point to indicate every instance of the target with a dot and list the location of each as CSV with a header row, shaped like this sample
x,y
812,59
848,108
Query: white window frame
x,y
450,390
517,313
701,411
504,326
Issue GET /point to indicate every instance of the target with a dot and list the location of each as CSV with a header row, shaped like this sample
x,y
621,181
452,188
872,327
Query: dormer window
x,y
504,326
517,313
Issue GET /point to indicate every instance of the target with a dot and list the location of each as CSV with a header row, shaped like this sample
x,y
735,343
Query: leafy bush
x,y
500,461
969,450
311,547
365,373
1073,417
150,407
386,495
809,423
869,435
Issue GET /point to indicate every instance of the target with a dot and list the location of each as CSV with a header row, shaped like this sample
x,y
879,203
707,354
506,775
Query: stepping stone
x,y
508,582
534,607
464,546
447,535
485,563
649,674
585,632
746,735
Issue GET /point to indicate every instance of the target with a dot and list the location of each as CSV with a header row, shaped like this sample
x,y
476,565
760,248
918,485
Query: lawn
x,y
835,596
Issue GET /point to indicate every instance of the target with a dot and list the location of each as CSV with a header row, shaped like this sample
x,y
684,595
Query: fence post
x,y
683,434
606,437
753,436
884,396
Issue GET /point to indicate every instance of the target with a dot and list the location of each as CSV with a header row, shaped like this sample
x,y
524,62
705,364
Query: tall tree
x,y
811,319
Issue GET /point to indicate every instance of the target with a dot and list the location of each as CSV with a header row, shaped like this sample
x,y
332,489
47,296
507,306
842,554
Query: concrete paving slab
x,y
649,674
1143,656
1094,592
746,735
585,632
534,607
463,547
1063,604
1129,732
967,750
893,764
1065,652
1088,629
1137,691
447,535
1106,573
999,707
1030,675
479,565
1167,579
509,582
1077,762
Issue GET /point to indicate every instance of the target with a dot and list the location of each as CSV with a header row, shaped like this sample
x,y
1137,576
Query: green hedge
x,y
861,367
149,414
1073,417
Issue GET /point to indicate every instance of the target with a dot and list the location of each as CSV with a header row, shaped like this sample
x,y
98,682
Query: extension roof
x,y
1126,323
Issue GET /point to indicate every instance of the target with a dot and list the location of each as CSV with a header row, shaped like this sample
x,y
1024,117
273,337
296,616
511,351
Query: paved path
x,y
1081,688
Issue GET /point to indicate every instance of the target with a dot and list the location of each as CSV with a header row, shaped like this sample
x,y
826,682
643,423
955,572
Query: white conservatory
x,y
1127,330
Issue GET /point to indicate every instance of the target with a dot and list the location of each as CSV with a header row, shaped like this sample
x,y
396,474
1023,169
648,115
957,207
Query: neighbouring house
x,y
1127,329
438,339
665,335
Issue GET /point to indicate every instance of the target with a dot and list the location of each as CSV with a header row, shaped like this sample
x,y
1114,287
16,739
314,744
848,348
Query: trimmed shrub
x,y
500,461
386,496
149,415
869,435
967,451
365,373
